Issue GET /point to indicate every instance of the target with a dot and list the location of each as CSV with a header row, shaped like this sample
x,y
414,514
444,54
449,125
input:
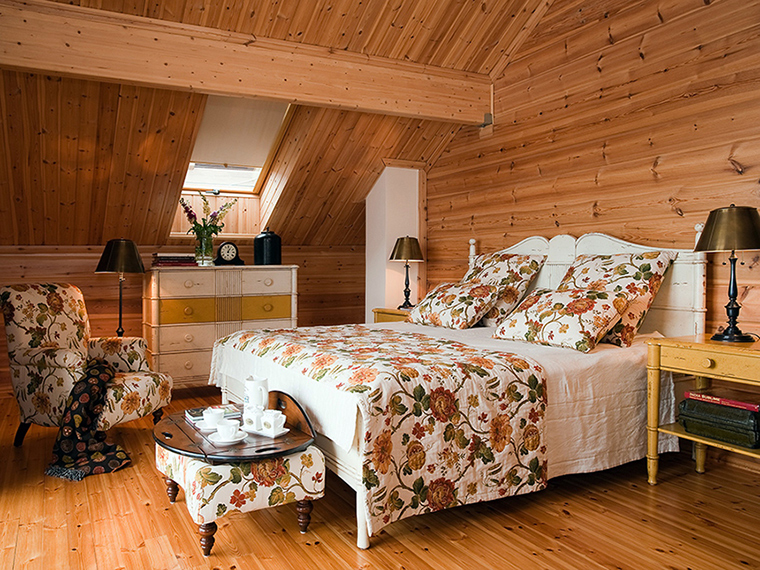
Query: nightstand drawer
x,y
389,315
704,362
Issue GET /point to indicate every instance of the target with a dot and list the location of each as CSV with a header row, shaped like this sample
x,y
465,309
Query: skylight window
x,y
221,178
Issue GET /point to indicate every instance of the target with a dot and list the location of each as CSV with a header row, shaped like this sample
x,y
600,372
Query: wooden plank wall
x,y
84,162
634,118
330,285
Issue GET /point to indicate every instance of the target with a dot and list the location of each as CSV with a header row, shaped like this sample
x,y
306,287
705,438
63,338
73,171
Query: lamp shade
x,y
120,256
731,229
406,249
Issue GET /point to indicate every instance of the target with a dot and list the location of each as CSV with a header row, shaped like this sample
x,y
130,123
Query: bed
x,y
594,418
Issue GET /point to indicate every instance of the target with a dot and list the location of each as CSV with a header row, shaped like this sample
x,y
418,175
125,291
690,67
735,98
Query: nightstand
x,y
705,359
389,315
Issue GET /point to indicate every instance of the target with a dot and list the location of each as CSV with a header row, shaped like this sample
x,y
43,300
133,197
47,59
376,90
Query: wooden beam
x,y
96,44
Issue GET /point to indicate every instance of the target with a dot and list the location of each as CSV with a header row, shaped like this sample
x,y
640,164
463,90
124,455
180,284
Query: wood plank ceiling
x,y
86,161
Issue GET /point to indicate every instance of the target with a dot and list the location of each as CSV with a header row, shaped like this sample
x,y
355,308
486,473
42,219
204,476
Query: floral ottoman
x,y
212,491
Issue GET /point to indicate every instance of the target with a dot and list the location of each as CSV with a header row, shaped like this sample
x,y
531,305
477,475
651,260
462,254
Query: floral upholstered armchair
x,y
49,344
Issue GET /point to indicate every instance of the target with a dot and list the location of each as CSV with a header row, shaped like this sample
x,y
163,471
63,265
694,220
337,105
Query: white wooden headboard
x,y
680,305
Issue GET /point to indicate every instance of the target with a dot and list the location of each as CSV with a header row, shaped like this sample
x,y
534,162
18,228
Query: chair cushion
x,y
133,395
212,491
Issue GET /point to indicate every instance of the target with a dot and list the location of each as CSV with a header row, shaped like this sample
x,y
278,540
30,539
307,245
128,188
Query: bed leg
x,y
362,536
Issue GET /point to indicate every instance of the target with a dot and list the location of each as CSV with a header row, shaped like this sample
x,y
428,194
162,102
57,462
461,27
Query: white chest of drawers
x,y
186,309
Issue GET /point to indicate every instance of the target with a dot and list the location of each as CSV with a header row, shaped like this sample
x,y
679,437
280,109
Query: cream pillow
x,y
454,305
576,318
638,274
511,273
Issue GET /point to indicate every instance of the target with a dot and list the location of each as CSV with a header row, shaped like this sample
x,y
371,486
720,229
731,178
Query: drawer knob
x,y
268,281
188,365
708,363
268,307
189,284
189,337
188,311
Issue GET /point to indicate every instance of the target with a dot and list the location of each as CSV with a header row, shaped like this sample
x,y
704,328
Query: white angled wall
x,y
391,213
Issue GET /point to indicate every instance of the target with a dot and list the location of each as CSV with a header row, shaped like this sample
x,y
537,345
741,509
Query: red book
x,y
727,397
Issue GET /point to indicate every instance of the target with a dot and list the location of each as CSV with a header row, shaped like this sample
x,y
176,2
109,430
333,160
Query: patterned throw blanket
x,y
79,449
444,423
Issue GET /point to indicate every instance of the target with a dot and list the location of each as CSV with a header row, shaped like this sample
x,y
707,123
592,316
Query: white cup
x,y
227,429
212,416
272,421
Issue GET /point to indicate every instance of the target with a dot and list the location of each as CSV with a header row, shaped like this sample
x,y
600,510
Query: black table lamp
x,y
731,229
120,256
406,249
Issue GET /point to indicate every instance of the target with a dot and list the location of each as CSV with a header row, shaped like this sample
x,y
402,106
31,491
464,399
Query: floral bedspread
x,y
445,424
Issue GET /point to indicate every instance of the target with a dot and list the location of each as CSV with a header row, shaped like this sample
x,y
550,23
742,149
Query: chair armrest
x,y
125,353
50,357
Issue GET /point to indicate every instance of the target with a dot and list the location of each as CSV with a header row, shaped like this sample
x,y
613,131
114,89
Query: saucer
x,y
203,427
217,439
283,431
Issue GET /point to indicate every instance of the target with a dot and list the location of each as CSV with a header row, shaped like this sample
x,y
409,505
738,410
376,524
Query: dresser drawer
x,y
702,362
184,364
180,338
267,324
190,283
267,281
183,311
266,307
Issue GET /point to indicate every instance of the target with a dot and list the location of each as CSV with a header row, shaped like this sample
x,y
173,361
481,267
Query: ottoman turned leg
x,y
157,415
171,489
207,531
304,514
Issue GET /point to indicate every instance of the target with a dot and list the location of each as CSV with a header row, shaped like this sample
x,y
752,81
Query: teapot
x,y
256,399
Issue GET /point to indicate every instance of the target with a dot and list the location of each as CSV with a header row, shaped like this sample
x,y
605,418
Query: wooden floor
x,y
604,520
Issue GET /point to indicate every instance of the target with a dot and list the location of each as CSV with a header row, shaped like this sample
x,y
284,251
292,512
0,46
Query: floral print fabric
x,y
443,424
512,274
576,318
212,491
637,274
454,305
48,334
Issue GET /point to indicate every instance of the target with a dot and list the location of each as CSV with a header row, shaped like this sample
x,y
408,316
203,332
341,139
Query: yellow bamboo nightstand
x,y
706,359
389,315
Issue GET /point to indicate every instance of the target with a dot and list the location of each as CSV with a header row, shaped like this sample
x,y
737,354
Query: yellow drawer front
x,y
266,307
713,364
181,311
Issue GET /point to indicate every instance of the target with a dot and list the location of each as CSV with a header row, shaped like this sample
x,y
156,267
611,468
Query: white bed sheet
x,y
596,412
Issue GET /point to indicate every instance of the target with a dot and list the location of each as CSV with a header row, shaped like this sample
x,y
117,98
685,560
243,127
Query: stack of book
x,y
231,412
172,259
732,416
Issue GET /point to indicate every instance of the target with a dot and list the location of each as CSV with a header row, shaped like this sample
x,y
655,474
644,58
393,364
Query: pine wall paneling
x,y
328,162
634,119
242,221
85,162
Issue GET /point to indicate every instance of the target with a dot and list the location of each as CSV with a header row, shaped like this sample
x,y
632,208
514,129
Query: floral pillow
x,y
638,274
454,305
511,273
576,318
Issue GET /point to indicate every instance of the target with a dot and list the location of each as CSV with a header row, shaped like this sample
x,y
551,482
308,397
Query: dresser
x,y
186,309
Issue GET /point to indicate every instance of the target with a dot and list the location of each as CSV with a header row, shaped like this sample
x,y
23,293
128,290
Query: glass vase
x,y
204,250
